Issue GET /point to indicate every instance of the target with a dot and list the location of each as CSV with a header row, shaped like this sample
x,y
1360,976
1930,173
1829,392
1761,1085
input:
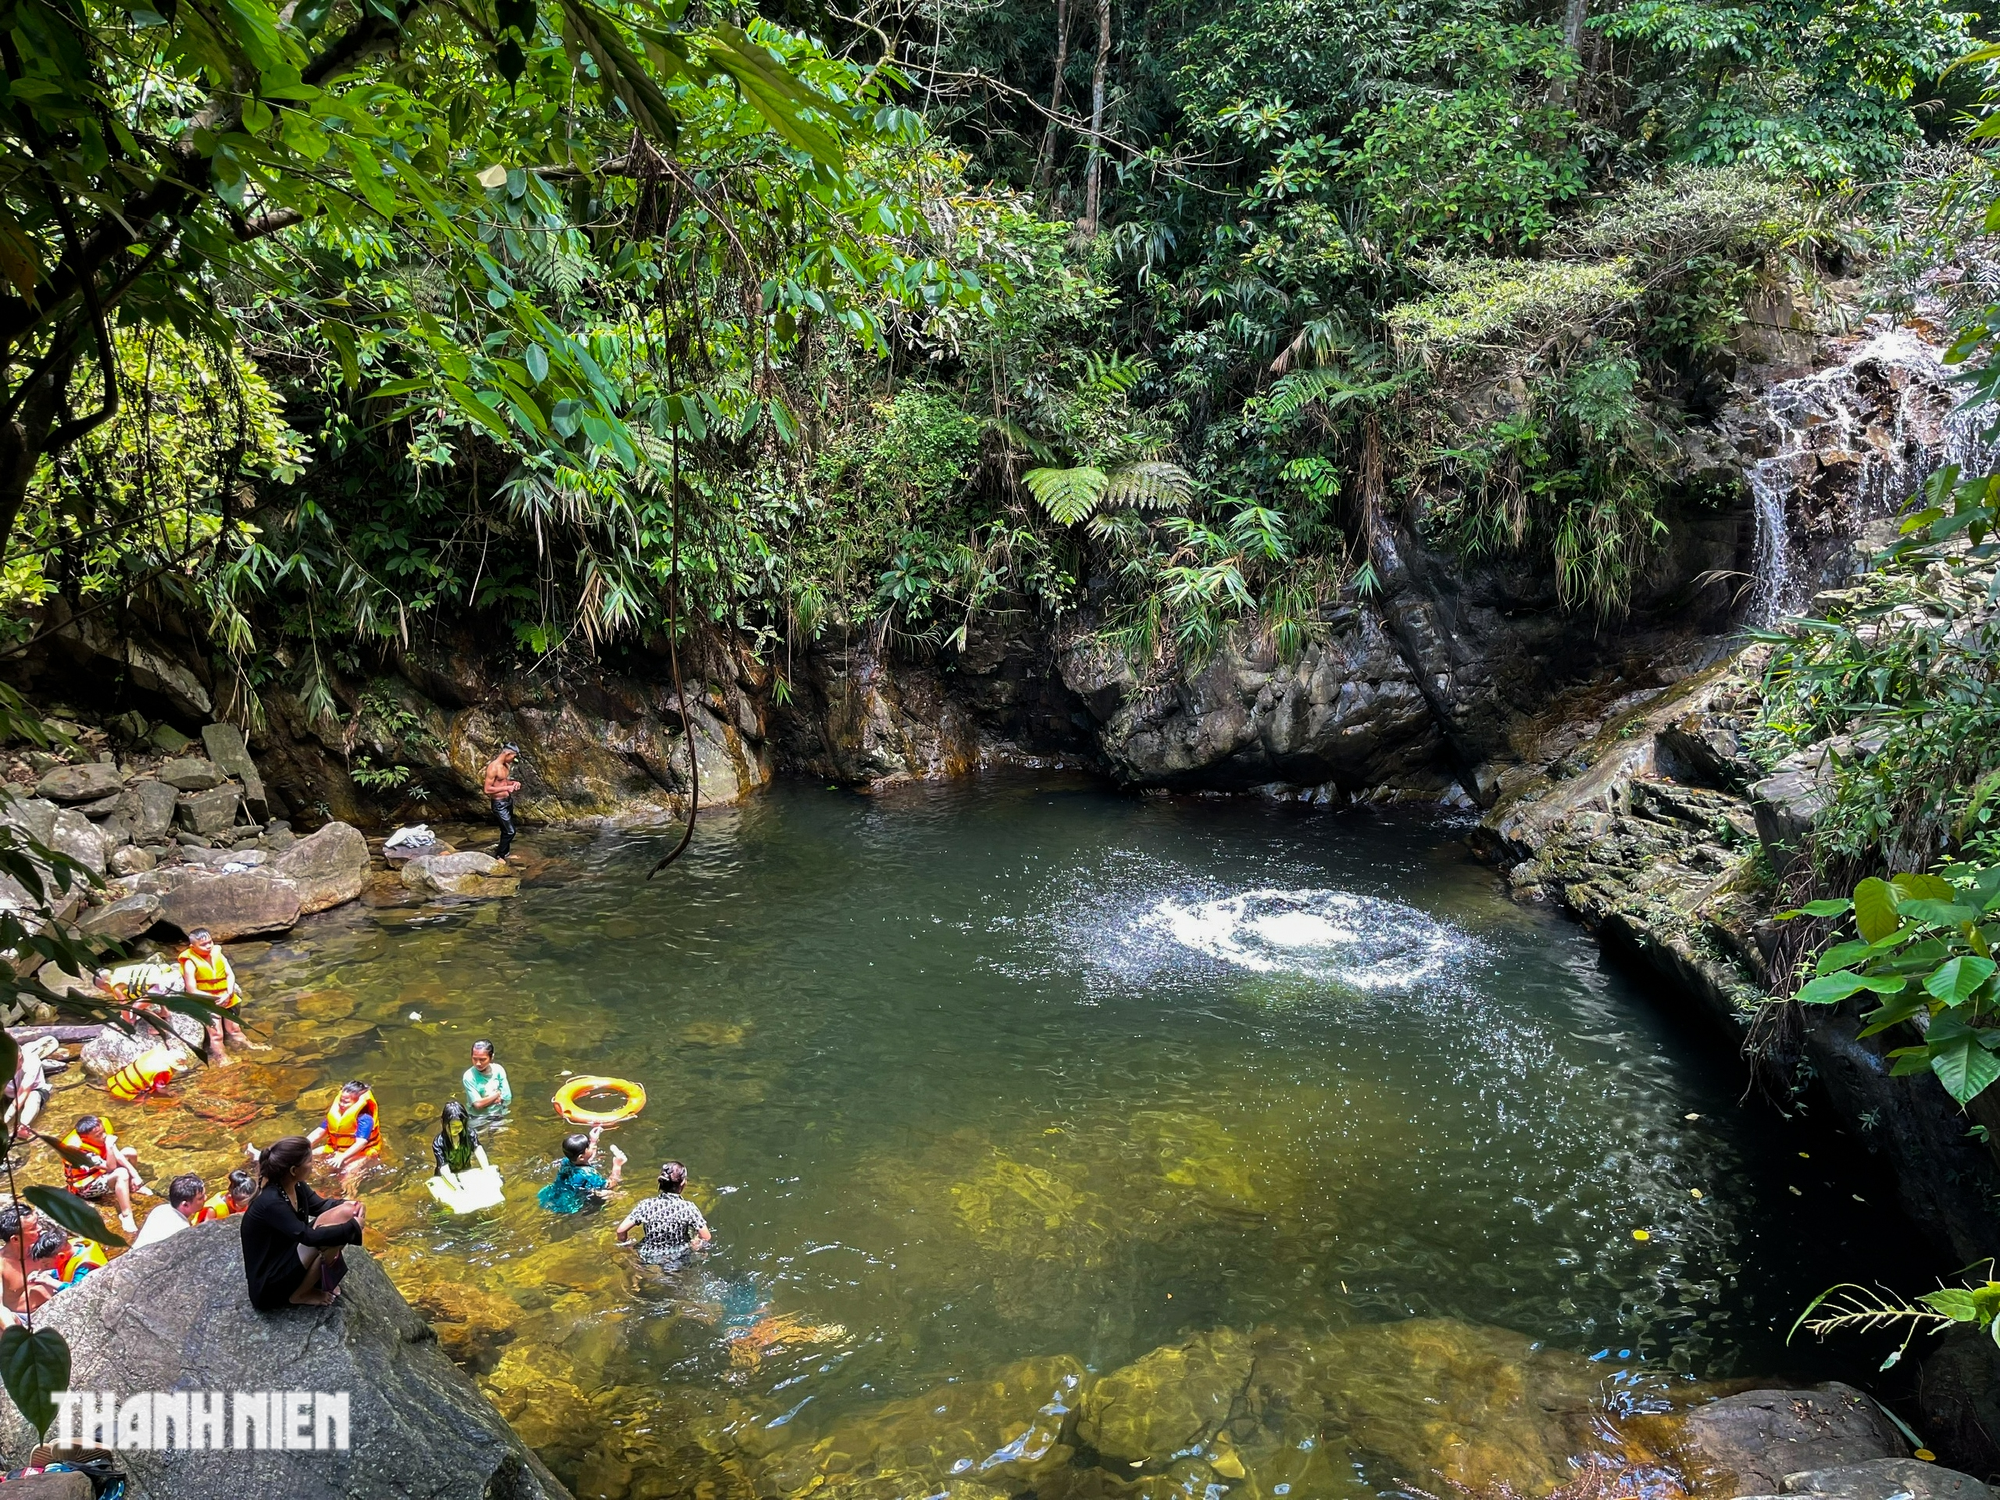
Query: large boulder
x,y
82,840
122,919
177,1316
189,774
467,873
85,783
328,868
210,811
224,743
1958,1394
1746,1444
233,905
148,806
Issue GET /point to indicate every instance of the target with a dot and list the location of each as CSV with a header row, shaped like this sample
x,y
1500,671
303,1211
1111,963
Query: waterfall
x,y
1845,446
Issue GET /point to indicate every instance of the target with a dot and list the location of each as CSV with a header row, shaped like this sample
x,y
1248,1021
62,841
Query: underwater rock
x,y
329,867
179,1318
1026,1211
1169,1401
472,1324
991,1435
1434,1399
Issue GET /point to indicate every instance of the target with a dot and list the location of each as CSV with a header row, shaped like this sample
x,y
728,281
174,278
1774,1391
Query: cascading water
x,y
1844,446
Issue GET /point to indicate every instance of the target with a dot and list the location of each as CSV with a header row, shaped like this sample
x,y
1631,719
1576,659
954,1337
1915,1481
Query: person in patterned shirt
x,y
670,1223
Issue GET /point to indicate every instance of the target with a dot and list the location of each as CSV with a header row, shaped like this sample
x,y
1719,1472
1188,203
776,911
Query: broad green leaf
x,y
1937,913
1840,955
1964,1067
1923,887
34,1366
72,1213
1894,1012
1831,907
1953,1302
1875,909
1955,980
1830,989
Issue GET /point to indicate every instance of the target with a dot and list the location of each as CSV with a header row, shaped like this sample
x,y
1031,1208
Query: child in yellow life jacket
x,y
351,1135
233,1199
95,1166
205,971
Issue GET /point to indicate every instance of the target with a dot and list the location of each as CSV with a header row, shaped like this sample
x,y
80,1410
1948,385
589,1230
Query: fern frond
x,y
1149,484
1116,375
1015,436
1068,495
1327,386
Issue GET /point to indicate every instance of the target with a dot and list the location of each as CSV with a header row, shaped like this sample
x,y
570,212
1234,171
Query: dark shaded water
x,y
1008,1070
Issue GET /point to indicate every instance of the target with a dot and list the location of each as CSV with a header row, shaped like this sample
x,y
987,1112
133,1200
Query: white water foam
x,y
1361,942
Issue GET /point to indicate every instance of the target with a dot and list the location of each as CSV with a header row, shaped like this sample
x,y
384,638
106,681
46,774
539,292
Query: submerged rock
x,y
1167,1402
177,1316
995,1435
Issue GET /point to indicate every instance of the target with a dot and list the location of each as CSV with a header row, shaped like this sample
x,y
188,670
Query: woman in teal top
x,y
486,1085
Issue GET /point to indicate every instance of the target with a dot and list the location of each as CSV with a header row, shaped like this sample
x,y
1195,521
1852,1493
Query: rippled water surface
x,y
991,1091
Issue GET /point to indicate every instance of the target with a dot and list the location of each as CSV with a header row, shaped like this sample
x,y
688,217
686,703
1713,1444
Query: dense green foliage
x,y
532,312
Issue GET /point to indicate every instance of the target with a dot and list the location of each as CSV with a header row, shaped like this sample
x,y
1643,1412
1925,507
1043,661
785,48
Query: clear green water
x,y
1011,1070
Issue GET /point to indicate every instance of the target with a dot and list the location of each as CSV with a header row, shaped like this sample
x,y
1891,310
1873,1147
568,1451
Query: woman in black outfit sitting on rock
x,y
292,1237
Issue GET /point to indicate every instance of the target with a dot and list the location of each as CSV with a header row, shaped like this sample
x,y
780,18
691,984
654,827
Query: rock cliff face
x,y
1649,831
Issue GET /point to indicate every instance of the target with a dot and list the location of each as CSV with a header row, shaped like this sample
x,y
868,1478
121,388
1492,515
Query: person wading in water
x,y
500,785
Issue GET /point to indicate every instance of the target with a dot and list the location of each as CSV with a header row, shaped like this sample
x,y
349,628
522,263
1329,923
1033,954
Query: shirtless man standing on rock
x,y
500,786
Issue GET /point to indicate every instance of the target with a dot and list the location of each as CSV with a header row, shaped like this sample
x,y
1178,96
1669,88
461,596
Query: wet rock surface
x,y
1748,1443
177,1316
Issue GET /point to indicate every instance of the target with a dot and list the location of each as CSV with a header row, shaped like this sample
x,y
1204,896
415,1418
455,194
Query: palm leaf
x,y
1068,495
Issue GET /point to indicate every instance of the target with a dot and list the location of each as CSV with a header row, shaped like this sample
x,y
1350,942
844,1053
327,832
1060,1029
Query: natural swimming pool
x,y
1241,1131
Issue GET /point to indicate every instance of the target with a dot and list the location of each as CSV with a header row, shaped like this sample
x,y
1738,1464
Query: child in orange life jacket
x,y
351,1135
205,971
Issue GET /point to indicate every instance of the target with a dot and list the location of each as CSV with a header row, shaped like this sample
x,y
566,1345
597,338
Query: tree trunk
x,y
1045,159
1575,13
1094,182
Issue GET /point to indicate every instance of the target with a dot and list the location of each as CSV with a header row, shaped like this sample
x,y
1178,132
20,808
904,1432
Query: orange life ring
x,y
569,1093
